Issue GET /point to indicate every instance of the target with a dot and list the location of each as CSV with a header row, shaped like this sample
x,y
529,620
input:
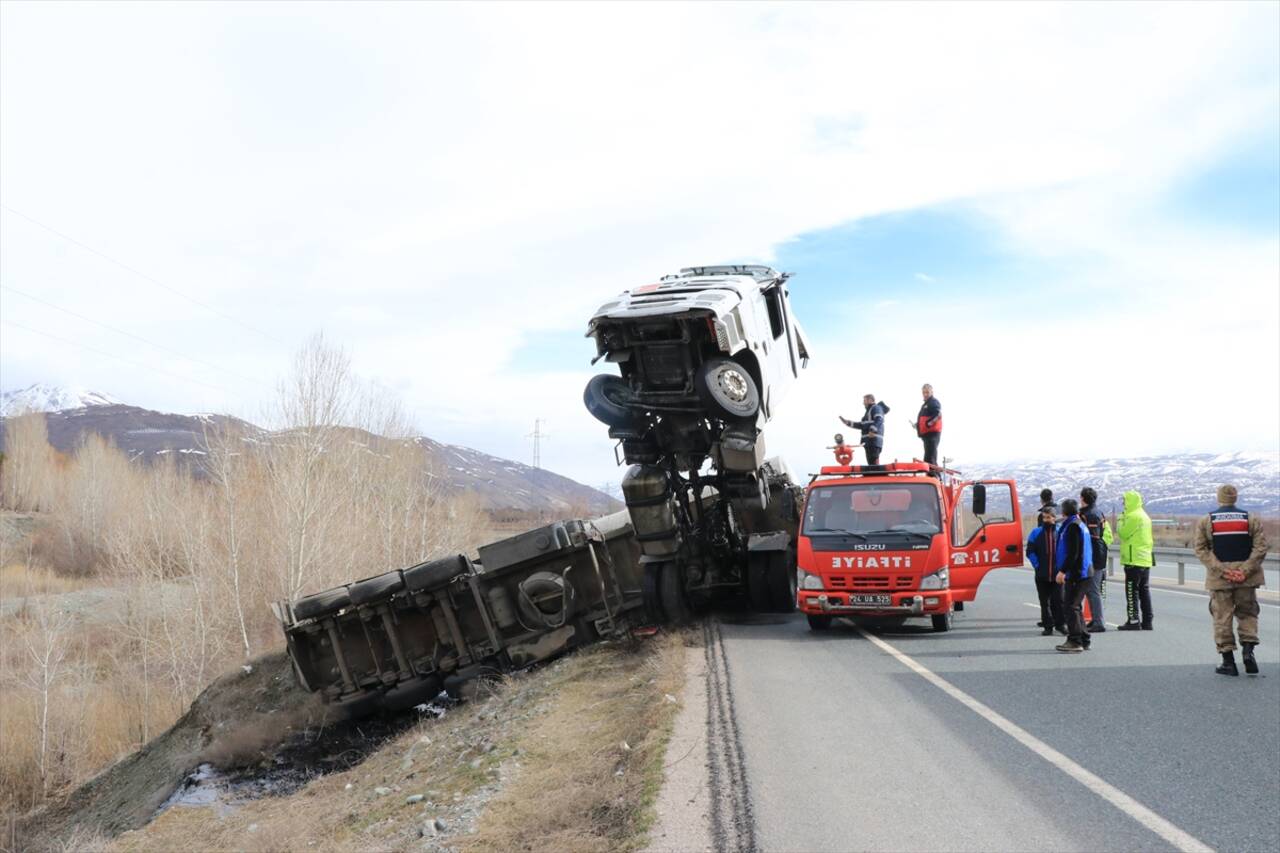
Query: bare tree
x,y
30,465
47,646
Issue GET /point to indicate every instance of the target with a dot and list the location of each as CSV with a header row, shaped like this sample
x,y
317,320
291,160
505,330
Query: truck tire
x,y
650,592
758,581
356,706
434,573
819,623
322,603
606,397
941,622
727,389
371,589
675,604
771,581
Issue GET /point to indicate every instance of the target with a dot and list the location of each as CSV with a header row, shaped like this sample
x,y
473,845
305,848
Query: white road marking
x,y
1179,838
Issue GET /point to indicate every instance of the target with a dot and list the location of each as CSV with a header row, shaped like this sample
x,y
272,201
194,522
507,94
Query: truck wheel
x,y
675,604
758,591
782,581
371,589
329,601
434,573
819,623
941,622
728,389
606,397
650,593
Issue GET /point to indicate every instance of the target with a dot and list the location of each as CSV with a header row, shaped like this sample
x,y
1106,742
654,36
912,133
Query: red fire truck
x,y
902,540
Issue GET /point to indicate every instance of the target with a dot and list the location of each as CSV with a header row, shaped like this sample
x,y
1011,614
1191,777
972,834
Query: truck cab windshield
x,y
870,510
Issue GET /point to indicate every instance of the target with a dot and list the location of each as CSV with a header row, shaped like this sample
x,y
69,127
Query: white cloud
x,y
925,277
430,184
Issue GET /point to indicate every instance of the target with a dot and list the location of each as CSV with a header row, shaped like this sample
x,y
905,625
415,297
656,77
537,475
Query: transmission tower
x,y
537,435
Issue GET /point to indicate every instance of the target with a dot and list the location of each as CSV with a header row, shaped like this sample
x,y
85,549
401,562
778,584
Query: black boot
x,y
1250,663
1228,666
1129,626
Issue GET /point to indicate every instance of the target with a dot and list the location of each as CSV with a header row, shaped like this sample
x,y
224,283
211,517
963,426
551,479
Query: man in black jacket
x,y
1074,563
871,426
1040,551
1100,538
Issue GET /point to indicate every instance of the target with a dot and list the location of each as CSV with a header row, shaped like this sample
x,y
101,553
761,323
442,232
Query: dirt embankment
x,y
567,756
238,712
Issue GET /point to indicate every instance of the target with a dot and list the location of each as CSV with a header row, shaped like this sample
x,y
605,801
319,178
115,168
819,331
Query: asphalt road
x,y
985,738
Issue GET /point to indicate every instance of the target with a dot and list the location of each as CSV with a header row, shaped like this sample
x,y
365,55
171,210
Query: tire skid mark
x,y
732,817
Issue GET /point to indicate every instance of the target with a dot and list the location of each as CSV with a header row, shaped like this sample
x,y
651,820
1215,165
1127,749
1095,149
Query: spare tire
x,y
370,589
727,389
434,572
322,603
606,397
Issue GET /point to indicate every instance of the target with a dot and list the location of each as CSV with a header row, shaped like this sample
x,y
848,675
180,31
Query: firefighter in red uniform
x,y
929,424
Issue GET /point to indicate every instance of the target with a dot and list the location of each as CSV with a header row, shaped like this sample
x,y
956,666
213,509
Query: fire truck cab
x,y
901,540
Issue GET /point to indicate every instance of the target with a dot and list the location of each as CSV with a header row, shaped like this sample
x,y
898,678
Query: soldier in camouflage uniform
x,y
1232,546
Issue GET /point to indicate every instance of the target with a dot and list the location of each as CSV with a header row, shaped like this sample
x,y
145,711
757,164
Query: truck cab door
x,y
988,539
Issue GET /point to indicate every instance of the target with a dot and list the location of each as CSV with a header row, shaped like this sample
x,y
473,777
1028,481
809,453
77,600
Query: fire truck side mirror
x,y
979,499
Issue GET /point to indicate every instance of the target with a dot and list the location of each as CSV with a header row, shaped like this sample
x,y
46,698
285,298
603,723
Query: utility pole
x,y
537,435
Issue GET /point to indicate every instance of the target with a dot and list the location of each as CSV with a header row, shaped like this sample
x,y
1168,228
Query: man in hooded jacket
x,y
1230,543
1137,555
871,426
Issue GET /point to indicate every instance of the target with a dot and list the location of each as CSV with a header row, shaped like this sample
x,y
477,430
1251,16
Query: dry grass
x,y
556,775
19,581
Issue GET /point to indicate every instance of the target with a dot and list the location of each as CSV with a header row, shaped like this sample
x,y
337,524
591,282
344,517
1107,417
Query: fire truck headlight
x,y
804,580
941,579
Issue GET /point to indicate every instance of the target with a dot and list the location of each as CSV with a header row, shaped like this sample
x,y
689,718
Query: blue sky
x,y
448,191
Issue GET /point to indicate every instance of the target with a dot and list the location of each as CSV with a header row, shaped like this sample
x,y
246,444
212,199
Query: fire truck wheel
x,y
606,397
819,623
329,601
728,389
942,622
369,589
675,604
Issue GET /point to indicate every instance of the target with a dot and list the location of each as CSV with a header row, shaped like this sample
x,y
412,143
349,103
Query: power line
x,y
143,365
145,277
109,327
537,435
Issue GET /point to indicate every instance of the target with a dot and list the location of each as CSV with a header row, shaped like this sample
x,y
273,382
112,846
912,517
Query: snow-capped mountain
x,y
51,398
1170,485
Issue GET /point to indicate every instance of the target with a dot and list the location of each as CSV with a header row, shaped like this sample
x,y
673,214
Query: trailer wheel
x,y
758,581
675,604
819,623
370,589
942,622
606,397
771,581
435,572
728,389
650,593
329,601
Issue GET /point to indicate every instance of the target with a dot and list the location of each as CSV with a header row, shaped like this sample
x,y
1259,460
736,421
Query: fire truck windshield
x,y
868,509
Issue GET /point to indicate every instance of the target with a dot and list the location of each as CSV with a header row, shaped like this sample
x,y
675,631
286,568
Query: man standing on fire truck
x,y
1230,543
929,424
871,426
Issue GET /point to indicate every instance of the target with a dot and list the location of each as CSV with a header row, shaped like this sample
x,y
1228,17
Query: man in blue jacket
x,y
1074,564
1041,556
871,426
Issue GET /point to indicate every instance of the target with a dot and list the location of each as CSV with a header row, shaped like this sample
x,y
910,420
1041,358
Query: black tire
x,y
650,592
959,606
675,604
758,581
356,706
727,389
407,694
371,589
322,603
941,622
606,397
782,581
819,623
434,573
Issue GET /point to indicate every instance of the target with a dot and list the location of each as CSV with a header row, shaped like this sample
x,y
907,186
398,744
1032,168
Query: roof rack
x,y
913,468
759,272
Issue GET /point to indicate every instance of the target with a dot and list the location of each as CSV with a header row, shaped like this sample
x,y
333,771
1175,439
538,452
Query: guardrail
x,y
1183,556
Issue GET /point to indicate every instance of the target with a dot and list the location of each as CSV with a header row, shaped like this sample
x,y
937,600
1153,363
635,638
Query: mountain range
x,y
146,435
1175,484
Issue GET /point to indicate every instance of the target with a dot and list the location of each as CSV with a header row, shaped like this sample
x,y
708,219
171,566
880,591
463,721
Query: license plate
x,y
881,600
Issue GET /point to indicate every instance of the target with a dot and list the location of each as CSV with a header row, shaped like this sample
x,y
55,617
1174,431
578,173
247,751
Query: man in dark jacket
x,y
1074,564
929,424
871,426
1040,553
1100,539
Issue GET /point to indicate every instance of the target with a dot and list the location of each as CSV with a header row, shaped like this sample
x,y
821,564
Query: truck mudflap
x,y
389,641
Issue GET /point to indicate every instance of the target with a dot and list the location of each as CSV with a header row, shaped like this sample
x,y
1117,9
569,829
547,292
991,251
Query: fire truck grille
x,y
851,581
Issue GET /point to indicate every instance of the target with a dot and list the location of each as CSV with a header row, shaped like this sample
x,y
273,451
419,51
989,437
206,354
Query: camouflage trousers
x,y
1242,603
